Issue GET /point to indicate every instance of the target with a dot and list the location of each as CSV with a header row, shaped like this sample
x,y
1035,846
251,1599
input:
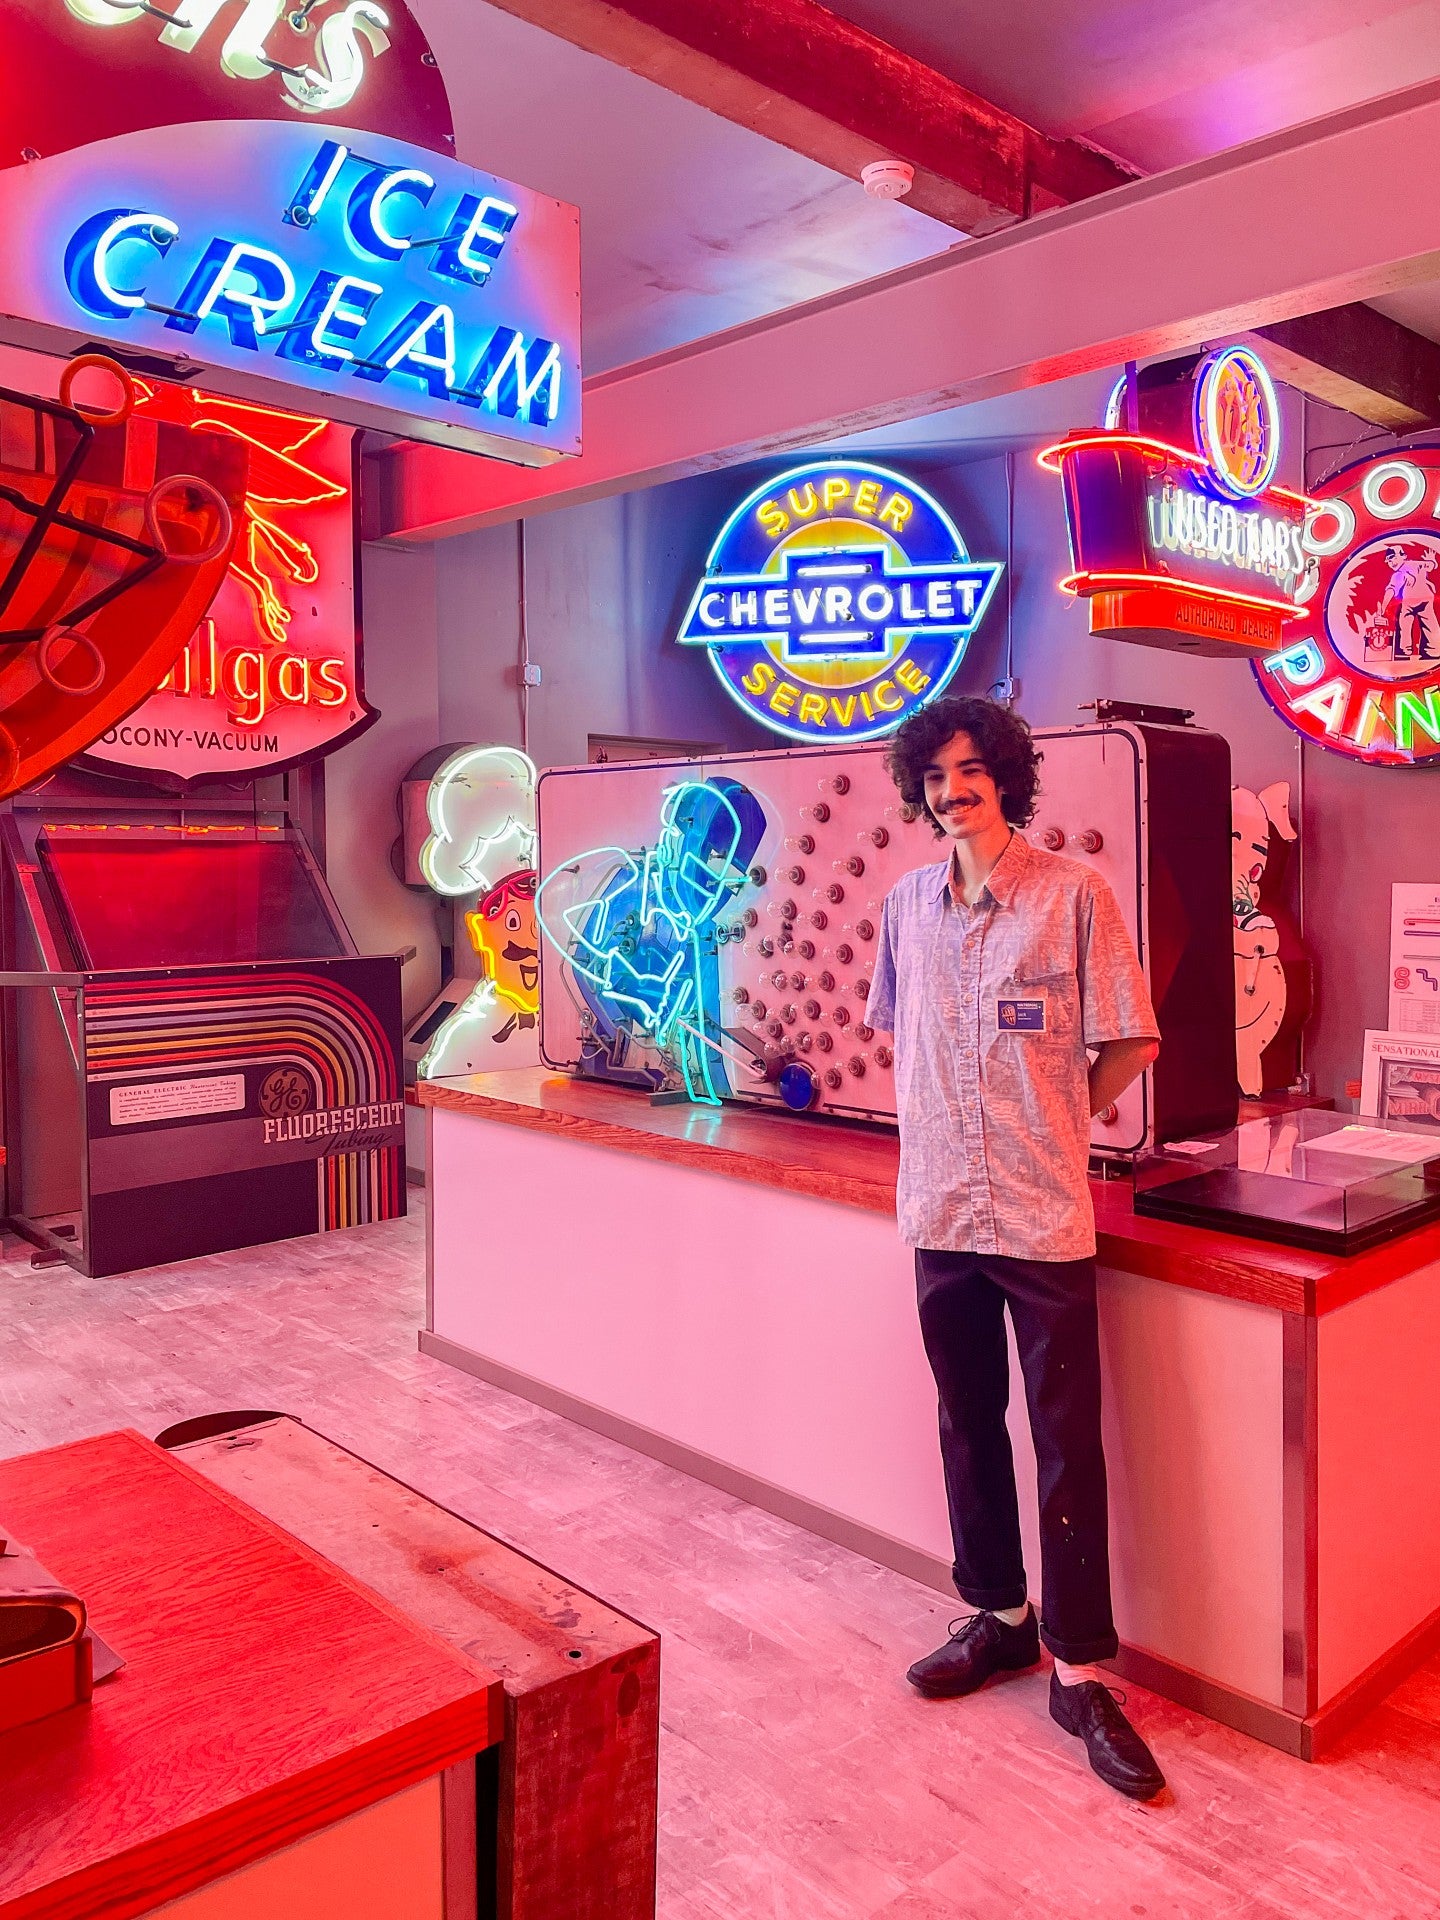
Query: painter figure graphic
x,y
1409,605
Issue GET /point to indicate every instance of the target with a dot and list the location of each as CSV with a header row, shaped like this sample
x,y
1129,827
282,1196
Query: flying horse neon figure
x,y
642,944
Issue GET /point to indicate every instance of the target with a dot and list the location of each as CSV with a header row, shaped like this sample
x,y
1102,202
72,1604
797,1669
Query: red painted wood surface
x,y
266,1693
857,1166
578,1770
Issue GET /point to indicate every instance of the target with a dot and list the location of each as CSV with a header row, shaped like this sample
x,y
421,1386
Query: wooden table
x,y
568,1808
724,1288
281,1738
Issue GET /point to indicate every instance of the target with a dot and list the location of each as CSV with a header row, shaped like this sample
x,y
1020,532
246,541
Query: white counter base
x,y
768,1342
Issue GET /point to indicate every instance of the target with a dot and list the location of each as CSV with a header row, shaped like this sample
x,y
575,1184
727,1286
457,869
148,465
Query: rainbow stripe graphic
x,y
294,1019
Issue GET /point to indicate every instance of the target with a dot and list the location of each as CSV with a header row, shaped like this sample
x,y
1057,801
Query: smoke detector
x,y
888,179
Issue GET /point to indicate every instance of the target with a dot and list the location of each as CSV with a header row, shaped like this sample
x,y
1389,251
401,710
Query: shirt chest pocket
x,y
1042,972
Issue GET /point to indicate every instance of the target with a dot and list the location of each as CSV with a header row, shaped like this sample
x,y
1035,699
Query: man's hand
x,y
1116,1064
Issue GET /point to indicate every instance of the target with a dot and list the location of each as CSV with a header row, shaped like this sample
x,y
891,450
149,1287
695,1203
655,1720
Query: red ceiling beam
x,y
796,73
1158,268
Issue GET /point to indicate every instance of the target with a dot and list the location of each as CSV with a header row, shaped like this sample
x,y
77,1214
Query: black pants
x,y
963,1297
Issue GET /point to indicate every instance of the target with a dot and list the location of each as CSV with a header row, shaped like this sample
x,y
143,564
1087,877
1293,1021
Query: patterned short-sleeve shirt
x,y
992,1007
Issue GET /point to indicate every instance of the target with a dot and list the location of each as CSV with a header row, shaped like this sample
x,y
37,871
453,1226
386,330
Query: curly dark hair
x,y
1001,738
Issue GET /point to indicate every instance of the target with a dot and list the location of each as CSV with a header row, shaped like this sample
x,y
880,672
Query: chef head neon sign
x,y
344,40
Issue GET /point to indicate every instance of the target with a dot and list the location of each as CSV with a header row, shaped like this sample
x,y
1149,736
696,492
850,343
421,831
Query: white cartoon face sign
x,y
1261,991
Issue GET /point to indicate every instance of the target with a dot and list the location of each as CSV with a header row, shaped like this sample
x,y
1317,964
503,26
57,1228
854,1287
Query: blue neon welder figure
x,y
642,946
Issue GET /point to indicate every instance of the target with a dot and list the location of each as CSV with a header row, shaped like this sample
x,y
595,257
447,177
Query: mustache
x,y
512,952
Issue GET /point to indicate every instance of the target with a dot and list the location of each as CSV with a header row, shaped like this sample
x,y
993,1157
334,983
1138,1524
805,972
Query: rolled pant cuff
x,y
1080,1653
991,1599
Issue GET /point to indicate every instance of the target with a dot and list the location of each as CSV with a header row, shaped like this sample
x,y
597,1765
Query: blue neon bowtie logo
x,y
837,605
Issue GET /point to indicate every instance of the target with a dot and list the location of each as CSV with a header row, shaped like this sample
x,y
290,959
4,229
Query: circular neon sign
x,y
1237,421
836,600
1362,674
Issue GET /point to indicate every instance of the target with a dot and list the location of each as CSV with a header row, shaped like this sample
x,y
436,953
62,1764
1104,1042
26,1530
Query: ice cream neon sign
x,y
342,43
247,288
398,288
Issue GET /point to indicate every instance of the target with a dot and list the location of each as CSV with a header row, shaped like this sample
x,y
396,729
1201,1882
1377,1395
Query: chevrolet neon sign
x,y
836,600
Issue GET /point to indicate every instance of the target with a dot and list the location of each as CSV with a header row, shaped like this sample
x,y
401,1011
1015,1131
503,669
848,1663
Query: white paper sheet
x,y
1414,958
1375,1143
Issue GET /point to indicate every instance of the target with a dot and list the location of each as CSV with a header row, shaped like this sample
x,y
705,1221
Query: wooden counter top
x,y
266,1694
856,1166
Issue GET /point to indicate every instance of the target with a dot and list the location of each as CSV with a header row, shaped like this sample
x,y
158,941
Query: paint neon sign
x,y
836,600
1195,549
1362,675
404,291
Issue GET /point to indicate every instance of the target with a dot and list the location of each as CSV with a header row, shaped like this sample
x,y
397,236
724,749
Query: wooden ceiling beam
x,y
1359,360
801,76
1156,268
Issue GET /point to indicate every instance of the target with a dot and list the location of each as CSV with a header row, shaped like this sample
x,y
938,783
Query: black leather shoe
x,y
977,1648
1117,1753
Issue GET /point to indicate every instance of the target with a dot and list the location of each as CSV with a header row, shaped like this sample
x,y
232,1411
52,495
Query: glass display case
x,y
1311,1178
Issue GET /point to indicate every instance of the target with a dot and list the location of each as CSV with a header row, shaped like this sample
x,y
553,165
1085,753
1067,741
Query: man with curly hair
x,y
1001,970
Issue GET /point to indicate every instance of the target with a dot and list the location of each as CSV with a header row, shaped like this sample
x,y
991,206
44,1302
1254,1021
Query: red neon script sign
x,y
272,675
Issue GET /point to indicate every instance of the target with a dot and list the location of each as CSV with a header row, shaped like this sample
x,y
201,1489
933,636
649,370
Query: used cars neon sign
x,y
402,290
342,42
836,600
1194,549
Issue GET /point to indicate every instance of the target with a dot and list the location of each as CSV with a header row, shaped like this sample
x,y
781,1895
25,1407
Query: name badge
x,y
1022,1016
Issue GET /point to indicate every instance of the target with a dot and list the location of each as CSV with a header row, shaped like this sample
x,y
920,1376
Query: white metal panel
x,y
797,953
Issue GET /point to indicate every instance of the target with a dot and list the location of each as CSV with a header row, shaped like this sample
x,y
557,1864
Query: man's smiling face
x,y
959,791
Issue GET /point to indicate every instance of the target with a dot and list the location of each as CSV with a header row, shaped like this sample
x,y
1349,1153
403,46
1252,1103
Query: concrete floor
x,y
801,1779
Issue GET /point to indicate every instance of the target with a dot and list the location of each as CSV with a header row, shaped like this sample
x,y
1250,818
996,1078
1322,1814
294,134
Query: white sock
x,y
1069,1676
1012,1616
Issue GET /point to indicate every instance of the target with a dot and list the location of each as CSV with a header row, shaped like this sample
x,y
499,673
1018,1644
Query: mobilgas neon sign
x,y
836,600
397,288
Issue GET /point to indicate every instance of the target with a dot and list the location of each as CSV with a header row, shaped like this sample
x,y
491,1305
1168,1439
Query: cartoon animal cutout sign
x,y
1273,980
481,808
